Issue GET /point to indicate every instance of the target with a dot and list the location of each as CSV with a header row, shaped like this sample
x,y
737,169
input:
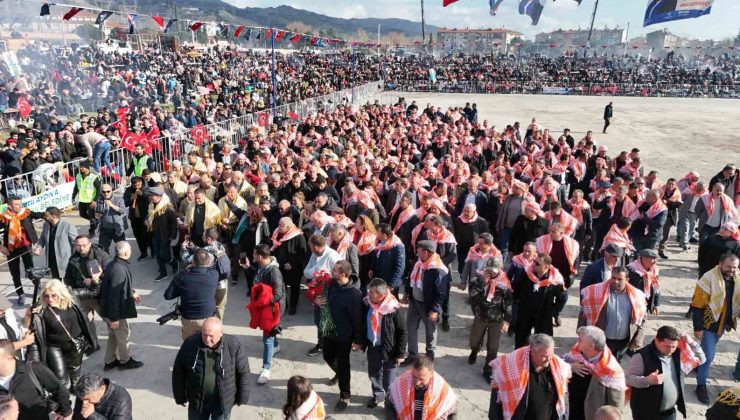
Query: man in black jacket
x,y
83,275
118,301
32,405
211,373
163,227
196,288
608,114
100,398
136,198
717,245
345,305
386,338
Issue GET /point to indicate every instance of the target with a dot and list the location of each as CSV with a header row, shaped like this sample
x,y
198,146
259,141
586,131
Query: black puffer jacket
x,y
115,404
345,304
188,372
271,276
393,333
78,271
498,309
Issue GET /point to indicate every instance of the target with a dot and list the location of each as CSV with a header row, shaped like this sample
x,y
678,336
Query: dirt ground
x,y
674,135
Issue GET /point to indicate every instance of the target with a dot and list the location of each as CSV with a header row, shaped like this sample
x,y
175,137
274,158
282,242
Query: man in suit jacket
x,y
472,195
57,240
601,269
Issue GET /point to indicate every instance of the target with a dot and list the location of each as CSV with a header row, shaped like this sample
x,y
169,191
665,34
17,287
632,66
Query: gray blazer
x,y
599,395
64,243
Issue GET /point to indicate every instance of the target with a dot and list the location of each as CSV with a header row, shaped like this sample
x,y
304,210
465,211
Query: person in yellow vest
x,y
140,161
201,215
229,223
87,190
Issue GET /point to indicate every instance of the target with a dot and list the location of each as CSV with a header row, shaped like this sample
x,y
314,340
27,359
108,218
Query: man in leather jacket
x,y
83,275
99,397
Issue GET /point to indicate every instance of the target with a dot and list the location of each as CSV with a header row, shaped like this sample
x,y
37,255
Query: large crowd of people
x,y
379,211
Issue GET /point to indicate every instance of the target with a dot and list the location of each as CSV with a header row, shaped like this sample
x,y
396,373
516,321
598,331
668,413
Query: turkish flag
x,y
199,134
159,20
293,116
120,125
446,3
152,138
263,119
130,140
24,108
279,36
166,163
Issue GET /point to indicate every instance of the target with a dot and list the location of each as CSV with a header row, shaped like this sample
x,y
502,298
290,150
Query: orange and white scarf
x,y
366,243
278,239
607,369
594,297
444,236
520,261
342,246
689,360
554,278
439,400
511,379
577,209
617,237
728,207
674,197
474,253
501,280
629,209
434,262
377,310
405,215
656,208
650,277
466,220
15,230
391,243
544,246
570,223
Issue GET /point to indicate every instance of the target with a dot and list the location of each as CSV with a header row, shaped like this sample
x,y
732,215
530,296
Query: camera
x,y
37,273
169,316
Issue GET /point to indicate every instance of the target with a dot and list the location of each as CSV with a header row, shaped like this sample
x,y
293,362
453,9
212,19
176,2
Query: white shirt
x,y
5,381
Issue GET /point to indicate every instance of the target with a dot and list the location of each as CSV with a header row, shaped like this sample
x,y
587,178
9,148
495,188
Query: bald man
x,y
211,372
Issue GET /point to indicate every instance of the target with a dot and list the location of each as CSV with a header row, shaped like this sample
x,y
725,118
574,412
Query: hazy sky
x,y
722,23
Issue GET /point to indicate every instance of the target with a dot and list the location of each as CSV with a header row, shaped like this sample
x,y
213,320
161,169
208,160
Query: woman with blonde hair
x,y
364,236
62,332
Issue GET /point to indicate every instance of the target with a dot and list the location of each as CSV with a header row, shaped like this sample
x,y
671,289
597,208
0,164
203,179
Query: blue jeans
x,y
686,227
708,345
208,412
268,349
101,151
504,242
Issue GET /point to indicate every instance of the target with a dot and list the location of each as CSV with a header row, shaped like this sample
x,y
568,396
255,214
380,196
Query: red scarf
x,y
475,255
544,246
594,297
501,280
577,209
377,310
403,217
434,262
391,243
466,220
520,261
656,208
617,237
607,369
650,277
366,242
554,278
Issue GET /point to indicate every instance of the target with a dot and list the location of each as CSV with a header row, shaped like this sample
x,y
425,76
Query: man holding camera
x,y
196,288
118,301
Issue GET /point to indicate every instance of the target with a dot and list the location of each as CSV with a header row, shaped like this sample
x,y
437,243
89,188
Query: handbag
x,y
51,405
80,343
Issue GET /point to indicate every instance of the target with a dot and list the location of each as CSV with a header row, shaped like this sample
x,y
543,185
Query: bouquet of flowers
x,y
319,286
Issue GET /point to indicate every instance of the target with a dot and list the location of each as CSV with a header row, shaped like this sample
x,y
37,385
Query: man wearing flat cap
x,y
427,288
601,269
643,274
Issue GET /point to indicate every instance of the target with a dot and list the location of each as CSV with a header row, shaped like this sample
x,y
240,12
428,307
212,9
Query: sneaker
x,y
275,350
662,255
314,351
685,247
373,403
21,300
445,324
693,241
702,394
472,357
688,314
112,365
264,377
131,364
558,322
333,381
342,405
160,277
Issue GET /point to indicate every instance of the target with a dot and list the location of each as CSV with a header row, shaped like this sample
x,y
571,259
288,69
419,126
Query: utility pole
x,y
423,29
591,28
626,39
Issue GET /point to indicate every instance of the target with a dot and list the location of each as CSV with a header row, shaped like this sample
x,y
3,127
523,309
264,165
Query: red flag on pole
x,y
199,134
446,3
72,12
130,140
238,31
159,20
279,36
195,26
24,108
313,41
267,33
296,38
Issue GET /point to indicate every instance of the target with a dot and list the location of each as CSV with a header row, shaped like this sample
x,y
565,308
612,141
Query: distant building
x,y
566,38
662,39
475,41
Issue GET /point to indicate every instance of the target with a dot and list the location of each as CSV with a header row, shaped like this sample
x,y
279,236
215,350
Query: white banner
x,y
59,196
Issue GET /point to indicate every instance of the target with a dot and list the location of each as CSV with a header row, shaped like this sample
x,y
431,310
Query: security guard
x,y
140,161
87,187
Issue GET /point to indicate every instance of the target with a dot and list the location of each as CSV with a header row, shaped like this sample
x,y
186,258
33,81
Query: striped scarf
x,y
474,254
439,400
377,310
650,277
366,242
594,297
434,262
607,369
617,237
278,238
553,278
544,245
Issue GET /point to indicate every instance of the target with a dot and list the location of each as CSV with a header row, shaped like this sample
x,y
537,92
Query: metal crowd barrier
x,y
178,145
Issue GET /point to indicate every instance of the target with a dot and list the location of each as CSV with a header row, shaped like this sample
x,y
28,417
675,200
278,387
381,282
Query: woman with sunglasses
x,y
62,332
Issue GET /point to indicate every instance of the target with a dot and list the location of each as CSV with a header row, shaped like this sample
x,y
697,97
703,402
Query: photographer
x,y
118,301
83,275
219,262
196,288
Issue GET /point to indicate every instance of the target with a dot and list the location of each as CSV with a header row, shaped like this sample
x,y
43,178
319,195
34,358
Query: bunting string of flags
x,y
224,29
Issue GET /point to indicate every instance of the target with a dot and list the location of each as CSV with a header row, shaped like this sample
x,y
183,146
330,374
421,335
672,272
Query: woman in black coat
x,y
59,324
289,249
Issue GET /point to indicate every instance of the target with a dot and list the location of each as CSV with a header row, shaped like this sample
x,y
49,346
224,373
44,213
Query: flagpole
x,y
354,67
423,29
591,28
274,78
